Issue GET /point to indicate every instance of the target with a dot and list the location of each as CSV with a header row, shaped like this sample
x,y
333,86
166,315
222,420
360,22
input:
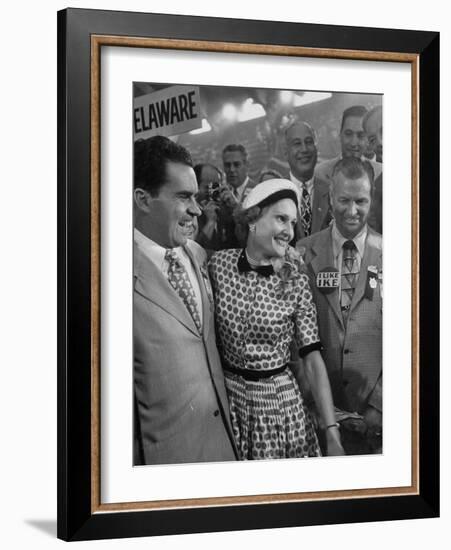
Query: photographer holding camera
x,y
216,225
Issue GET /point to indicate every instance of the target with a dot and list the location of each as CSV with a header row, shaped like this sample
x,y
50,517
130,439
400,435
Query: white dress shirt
x,y
238,191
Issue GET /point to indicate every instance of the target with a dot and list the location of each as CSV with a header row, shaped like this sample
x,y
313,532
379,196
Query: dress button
x,y
216,412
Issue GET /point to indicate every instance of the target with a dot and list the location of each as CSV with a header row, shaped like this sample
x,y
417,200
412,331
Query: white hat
x,y
264,190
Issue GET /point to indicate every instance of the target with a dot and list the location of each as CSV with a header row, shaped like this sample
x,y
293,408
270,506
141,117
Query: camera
x,y
214,191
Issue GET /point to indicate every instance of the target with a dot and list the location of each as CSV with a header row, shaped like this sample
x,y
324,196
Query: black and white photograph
x,y
257,273
178,333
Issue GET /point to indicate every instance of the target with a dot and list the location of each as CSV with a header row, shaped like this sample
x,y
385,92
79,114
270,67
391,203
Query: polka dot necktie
x,y
306,211
179,280
349,275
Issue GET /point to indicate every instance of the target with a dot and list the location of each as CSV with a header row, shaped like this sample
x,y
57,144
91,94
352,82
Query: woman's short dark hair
x,y
150,159
242,219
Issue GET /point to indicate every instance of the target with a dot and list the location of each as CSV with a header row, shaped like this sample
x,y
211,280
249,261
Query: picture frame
x,y
81,36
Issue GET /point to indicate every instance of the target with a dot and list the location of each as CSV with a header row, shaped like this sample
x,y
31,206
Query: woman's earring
x,y
252,227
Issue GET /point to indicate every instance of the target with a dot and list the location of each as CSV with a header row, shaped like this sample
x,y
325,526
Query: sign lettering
x,y
169,112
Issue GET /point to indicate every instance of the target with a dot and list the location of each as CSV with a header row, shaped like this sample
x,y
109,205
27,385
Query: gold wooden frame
x,y
97,41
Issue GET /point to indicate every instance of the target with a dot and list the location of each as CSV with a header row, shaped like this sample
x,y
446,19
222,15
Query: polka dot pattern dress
x,y
257,318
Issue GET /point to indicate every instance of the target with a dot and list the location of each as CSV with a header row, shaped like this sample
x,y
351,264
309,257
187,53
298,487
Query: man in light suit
x,y
345,265
301,153
181,408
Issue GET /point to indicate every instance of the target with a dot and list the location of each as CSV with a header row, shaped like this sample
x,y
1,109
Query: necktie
x,y
179,280
349,276
306,212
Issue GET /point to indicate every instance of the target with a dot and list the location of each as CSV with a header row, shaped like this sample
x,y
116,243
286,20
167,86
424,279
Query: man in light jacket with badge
x,y
345,265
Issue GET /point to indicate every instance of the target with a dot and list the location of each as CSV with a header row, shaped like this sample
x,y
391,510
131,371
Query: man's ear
x,y
330,198
142,199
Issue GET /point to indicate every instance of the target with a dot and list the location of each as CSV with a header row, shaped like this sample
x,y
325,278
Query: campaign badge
x,y
371,281
328,280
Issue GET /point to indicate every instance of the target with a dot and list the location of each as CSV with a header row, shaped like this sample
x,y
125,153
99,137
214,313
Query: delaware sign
x,y
168,112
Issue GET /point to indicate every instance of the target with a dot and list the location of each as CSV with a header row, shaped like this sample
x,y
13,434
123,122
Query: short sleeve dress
x,y
258,317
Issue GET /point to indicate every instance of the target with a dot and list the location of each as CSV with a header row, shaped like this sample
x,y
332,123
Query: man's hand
x,y
211,211
373,420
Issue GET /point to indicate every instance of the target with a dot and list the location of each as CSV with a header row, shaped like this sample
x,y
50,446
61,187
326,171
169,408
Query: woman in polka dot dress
x,y
263,306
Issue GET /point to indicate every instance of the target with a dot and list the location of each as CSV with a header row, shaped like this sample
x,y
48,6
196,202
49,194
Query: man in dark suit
x,y
302,154
236,165
181,408
372,124
216,224
353,142
345,265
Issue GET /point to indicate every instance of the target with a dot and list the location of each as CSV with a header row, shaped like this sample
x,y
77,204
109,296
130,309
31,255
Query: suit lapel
x,y
320,206
371,256
151,283
324,258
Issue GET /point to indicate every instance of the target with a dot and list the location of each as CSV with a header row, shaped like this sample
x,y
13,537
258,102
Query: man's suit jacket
x,y
321,215
375,216
181,408
353,354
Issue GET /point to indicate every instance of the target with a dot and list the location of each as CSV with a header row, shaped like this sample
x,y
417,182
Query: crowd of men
x,y
180,407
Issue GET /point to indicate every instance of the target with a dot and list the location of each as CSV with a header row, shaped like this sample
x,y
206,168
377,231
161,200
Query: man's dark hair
x,y
353,169
150,159
355,110
235,147
199,167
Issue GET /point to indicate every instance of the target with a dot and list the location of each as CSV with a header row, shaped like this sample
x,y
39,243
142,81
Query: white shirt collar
x,y
238,191
153,251
338,240
301,184
156,254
